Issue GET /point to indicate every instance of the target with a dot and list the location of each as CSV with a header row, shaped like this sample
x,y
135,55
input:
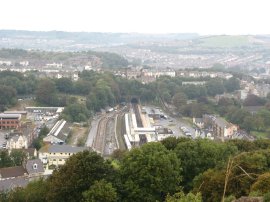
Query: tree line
x,y
172,170
95,91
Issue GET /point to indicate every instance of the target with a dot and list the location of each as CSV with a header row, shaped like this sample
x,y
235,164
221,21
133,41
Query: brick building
x,y
10,121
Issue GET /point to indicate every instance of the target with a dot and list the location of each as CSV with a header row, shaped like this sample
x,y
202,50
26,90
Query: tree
x,y
214,87
262,184
171,142
38,142
232,84
64,85
18,157
179,99
100,191
36,190
7,95
149,173
254,100
210,184
197,156
5,160
76,113
181,197
76,176
225,102
248,123
46,92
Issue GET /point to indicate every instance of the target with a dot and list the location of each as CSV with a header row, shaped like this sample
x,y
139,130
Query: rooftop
x,y
17,116
62,148
12,172
13,183
34,166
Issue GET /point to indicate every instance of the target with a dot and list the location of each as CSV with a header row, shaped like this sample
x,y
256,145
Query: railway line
x,y
105,134
98,143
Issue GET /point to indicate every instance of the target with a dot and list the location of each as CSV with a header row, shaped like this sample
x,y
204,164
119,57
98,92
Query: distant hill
x,y
58,40
229,41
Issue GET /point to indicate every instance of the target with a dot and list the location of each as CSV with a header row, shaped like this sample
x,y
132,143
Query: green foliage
x,y
46,92
64,85
179,99
215,87
7,96
181,197
266,197
15,158
200,155
242,174
100,191
76,176
254,100
5,160
18,157
38,142
232,84
150,173
262,184
154,173
171,142
76,113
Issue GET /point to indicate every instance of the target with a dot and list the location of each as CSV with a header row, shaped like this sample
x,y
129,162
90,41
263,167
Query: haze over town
x,y
151,16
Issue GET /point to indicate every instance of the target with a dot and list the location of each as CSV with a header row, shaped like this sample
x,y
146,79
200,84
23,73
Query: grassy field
x,y
261,135
78,136
224,41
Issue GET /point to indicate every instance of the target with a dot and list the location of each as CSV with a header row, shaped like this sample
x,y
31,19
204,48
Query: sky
x,y
142,16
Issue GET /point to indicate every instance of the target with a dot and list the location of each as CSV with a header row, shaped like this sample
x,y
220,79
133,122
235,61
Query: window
x,y
35,166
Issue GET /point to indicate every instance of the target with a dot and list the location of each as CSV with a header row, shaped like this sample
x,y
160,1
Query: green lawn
x,y
261,135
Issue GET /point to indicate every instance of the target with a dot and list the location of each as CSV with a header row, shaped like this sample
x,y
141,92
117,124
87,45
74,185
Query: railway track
x,y
99,140
105,140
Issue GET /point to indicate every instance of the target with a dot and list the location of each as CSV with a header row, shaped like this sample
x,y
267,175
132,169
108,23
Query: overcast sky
x,y
143,16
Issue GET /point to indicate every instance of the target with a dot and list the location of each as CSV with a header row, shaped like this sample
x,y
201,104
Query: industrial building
x,y
139,126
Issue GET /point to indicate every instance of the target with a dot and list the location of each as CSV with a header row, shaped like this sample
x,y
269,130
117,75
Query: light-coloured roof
x,y
15,112
17,116
9,184
62,149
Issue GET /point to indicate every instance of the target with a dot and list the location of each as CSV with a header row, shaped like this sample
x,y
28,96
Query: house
x,y
9,121
34,168
203,133
221,128
20,176
198,122
57,154
17,141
